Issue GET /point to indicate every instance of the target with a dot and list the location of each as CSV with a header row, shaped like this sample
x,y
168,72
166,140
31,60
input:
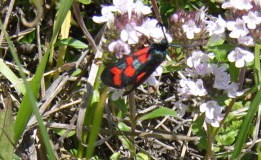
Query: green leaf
x,y
76,72
61,132
84,1
123,127
244,130
160,112
227,139
6,133
125,141
9,74
197,126
142,156
234,72
115,156
29,38
97,120
221,51
74,43
199,131
213,41
28,104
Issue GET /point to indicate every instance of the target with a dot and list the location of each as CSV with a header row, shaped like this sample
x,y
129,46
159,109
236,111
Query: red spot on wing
x,y
129,70
117,76
129,60
116,70
140,76
142,51
143,58
142,55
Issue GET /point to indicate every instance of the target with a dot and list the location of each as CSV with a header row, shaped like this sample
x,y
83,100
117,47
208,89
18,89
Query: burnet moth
x,y
133,70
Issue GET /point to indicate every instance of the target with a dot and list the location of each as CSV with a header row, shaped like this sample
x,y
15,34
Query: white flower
x,y
117,93
211,55
222,78
237,28
212,113
246,40
121,6
120,48
252,19
257,2
223,81
124,6
232,91
140,8
199,61
217,27
240,57
181,108
107,15
128,6
238,4
150,28
201,14
130,35
152,80
189,87
190,28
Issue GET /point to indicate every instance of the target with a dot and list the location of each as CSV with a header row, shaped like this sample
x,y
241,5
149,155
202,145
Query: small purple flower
x,y
130,35
181,108
252,19
190,28
140,8
117,94
240,57
216,27
238,4
222,78
122,7
189,87
150,28
127,6
257,2
238,28
120,48
246,40
232,91
152,80
199,61
107,15
212,112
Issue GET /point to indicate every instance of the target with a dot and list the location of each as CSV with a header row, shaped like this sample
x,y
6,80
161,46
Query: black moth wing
x,y
157,54
107,75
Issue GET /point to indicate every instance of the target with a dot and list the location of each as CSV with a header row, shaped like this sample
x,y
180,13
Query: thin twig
x,y
158,135
156,11
132,104
10,8
39,14
81,23
38,36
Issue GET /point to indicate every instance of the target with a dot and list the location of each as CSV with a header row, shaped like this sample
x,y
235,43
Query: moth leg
x,y
128,91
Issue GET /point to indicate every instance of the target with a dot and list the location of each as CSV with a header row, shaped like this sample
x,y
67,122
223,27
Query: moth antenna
x,y
184,46
158,16
162,28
